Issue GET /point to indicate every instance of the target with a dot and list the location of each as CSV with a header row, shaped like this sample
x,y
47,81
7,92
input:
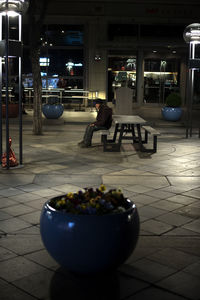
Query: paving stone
x,y
155,293
18,267
6,202
173,258
164,204
6,254
180,232
194,226
22,244
16,210
142,269
12,225
43,258
193,193
4,215
193,269
182,199
173,218
10,191
129,286
189,211
38,284
183,284
155,227
145,199
10,292
151,212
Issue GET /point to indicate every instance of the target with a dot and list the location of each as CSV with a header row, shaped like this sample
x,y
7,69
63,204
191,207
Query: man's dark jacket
x,y
104,117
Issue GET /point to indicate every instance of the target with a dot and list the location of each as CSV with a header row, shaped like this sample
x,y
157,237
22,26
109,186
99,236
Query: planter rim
x,y
60,212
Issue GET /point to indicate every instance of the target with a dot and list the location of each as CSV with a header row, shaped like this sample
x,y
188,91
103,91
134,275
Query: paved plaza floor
x,y
165,186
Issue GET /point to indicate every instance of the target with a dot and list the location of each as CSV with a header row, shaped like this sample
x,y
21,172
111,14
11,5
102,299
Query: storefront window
x,y
61,57
161,77
63,35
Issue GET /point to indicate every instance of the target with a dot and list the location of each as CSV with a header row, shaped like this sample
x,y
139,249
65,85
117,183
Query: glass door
x,y
121,73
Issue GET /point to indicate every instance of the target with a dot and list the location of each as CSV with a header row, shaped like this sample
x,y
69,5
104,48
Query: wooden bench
x,y
149,130
108,144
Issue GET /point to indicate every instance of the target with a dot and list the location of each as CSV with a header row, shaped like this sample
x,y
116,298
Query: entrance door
x,y
121,73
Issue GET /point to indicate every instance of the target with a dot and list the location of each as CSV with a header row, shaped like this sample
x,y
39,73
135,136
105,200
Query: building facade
x,y
103,46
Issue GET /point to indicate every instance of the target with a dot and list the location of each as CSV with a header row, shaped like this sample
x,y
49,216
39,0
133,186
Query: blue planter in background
x,y
89,243
171,113
53,111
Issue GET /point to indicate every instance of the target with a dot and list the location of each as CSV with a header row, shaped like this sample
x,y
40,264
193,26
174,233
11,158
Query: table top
x,y
128,119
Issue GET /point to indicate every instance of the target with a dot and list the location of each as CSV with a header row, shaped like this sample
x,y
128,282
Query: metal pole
x,y
7,95
190,91
20,94
1,130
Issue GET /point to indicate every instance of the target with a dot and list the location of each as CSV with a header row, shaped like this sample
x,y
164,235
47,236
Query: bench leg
x,y
146,137
155,143
108,146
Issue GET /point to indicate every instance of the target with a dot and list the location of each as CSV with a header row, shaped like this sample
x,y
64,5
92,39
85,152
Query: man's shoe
x,y
84,146
81,143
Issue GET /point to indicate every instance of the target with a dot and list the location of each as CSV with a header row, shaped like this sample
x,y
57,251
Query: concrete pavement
x,y
165,187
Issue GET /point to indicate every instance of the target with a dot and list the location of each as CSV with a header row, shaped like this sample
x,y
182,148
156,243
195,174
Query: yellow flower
x,y
83,206
102,188
70,195
92,201
60,202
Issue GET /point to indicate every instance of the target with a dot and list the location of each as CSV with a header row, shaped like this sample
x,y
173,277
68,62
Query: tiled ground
x,y
165,187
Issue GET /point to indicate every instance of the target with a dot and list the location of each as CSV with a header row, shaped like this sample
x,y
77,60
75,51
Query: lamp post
x,y
191,35
8,47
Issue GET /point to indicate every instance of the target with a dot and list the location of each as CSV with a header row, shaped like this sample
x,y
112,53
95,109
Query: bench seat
x,y
150,130
108,145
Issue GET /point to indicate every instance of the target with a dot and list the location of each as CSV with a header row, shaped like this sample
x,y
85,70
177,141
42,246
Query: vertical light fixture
x,y
191,35
9,9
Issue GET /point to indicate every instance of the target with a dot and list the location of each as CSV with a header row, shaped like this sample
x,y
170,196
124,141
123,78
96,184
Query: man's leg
x,y
87,139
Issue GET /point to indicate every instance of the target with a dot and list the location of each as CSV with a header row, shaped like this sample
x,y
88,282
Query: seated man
x,y
103,122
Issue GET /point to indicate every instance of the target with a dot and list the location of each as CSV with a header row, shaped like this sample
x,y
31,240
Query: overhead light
x,y
174,51
154,51
13,7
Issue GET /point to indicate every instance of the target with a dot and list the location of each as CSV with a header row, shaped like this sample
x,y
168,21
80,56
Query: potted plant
x,y
53,109
172,111
91,230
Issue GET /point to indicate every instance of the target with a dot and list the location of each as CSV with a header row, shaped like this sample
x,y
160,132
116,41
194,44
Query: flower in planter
x,y
91,202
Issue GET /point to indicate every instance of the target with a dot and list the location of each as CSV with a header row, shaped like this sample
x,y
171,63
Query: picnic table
x,y
129,127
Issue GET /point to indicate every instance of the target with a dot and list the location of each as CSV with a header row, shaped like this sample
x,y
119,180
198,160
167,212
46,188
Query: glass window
x,y
63,35
63,62
161,77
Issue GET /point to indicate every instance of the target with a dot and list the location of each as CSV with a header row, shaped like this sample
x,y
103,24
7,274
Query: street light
x,y
191,35
14,6
12,48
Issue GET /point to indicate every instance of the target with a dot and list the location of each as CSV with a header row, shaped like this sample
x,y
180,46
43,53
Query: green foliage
x,y
173,100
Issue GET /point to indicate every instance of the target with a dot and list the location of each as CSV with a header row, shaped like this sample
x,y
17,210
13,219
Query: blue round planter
x,y
89,243
53,111
171,113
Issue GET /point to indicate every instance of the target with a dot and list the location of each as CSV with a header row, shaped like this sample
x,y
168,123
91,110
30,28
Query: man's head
x,y
98,102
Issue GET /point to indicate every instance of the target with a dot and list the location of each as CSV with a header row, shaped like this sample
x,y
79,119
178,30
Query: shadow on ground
x,y
66,285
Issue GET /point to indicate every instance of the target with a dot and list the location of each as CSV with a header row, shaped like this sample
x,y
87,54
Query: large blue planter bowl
x,y
89,243
53,111
171,113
